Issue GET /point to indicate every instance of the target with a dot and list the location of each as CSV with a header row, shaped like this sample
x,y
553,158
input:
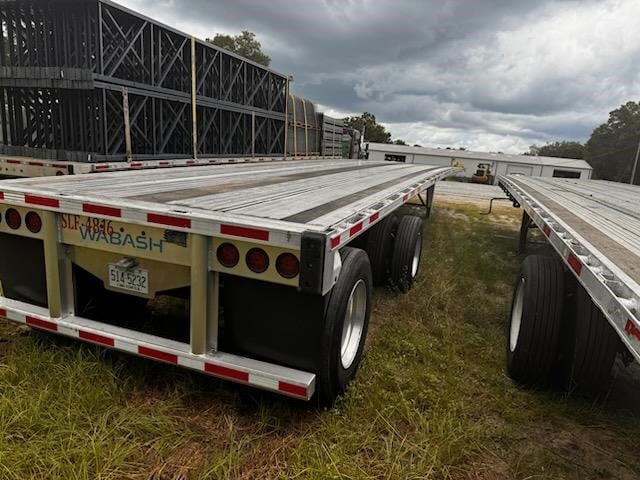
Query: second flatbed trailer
x,y
27,167
277,262
573,313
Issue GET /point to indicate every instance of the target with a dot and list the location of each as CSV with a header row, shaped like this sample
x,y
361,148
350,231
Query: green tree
x,y
612,147
245,44
374,132
564,149
399,142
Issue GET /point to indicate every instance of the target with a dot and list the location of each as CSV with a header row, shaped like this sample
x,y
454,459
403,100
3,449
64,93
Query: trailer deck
x,y
595,228
283,199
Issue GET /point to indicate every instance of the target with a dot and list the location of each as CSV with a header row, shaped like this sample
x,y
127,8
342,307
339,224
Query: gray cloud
x,y
492,75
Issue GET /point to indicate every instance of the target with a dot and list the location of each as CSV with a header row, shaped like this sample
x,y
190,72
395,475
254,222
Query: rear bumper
x,y
263,375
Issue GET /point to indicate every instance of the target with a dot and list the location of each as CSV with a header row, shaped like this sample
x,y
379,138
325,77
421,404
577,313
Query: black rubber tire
x,y
590,348
379,247
408,237
530,360
333,378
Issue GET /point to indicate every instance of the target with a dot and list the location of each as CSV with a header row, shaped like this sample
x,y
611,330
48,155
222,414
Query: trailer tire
x,y
407,252
380,248
590,348
345,327
535,320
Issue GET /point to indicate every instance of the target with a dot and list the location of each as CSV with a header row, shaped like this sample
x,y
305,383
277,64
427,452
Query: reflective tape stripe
x,y
244,232
291,389
632,330
547,230
374,217
575,263
168,220
36,164
36,322
158,354
101,210
95,338
1,196
230,367
335,241
42,201
101,167
355,229
226,372
14,162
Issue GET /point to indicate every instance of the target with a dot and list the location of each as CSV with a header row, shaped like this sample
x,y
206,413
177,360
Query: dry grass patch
x,y
431,399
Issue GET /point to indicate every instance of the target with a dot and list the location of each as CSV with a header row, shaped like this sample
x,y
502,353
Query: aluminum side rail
x,y
595,228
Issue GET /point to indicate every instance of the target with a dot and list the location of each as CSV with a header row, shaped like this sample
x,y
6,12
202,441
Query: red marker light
x,y
228,255
288,265
257,260
33,222
14,220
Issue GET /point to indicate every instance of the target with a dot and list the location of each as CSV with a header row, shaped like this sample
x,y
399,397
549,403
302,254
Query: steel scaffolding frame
x,y
95,81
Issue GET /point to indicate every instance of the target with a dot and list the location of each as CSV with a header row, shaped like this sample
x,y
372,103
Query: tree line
x,y
611,150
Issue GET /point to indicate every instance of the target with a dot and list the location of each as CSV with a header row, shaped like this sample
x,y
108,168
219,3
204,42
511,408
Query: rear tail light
x,y
257,260
288,265
228,255
14,220
33,222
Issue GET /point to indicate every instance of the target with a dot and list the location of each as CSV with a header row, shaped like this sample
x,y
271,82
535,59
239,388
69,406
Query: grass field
x,y
431,399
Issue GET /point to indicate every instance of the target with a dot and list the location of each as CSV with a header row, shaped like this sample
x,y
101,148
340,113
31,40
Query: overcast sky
x,y
492,75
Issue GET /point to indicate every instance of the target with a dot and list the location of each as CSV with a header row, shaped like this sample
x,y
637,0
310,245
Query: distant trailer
x,y
277,262
14,166
573,313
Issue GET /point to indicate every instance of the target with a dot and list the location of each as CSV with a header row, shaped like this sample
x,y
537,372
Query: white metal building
x,y
501,163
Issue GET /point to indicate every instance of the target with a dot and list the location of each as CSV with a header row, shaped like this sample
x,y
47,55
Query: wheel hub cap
x,y
416,259
353,324
516,316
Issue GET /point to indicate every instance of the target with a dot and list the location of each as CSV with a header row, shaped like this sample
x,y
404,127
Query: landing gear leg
x,y
526,224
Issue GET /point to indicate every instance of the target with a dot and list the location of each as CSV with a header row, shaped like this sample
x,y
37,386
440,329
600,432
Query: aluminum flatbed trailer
x,y
572,314
276,260
27,167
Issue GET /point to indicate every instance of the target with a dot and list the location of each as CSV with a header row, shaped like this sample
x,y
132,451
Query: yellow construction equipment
x,y
483,174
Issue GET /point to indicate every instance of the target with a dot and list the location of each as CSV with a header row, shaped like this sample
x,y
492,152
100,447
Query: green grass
x,y
431,399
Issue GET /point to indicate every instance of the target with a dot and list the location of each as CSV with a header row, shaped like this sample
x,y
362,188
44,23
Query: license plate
x,y
135,280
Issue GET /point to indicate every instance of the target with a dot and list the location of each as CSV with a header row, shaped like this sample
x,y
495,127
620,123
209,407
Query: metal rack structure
x,y
332,136
94,81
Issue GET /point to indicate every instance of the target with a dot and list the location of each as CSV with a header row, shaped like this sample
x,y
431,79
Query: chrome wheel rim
x,y
353,324
516,316
416,258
